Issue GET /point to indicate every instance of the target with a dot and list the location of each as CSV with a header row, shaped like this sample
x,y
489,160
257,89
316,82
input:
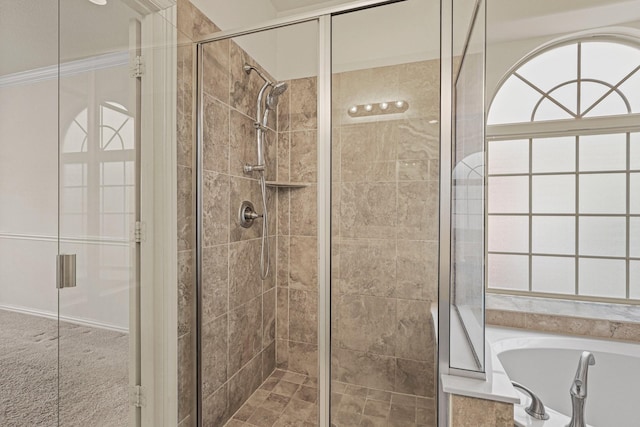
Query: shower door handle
x,y
65,271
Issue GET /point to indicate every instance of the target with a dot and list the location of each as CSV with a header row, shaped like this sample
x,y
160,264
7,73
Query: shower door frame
x,y
323,17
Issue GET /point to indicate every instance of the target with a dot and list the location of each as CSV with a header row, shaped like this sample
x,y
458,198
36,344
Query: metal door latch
x,y
66,271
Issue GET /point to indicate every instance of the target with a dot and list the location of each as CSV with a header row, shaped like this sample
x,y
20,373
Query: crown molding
x,y
66,69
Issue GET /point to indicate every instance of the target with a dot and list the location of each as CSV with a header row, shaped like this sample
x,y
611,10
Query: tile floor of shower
x,y
288,399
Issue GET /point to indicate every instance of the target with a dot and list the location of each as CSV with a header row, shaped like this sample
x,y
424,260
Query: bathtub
x,y
546,363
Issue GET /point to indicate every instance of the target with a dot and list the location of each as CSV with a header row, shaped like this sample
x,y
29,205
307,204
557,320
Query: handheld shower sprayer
x,y
263,106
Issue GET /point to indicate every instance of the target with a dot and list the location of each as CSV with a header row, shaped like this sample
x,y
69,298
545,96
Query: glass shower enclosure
x,y
343,320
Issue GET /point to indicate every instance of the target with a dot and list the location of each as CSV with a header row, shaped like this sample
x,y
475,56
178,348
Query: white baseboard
x,y
54,316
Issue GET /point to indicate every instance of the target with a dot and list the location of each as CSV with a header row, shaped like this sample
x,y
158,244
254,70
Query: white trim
x,y
70,319
109,60
145,7
158,252
135,332
86,240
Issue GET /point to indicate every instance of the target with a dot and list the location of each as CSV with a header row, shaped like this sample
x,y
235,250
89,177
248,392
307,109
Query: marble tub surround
x,y
600,320
385,230
468,411
481,402
238,308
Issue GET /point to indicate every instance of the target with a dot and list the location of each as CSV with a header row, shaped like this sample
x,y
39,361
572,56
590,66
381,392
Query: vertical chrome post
x,y
197,172
444,270
324,218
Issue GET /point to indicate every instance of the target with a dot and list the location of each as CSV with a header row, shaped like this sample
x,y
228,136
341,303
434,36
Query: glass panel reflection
x,y
97,208
384,263
29,212
468,244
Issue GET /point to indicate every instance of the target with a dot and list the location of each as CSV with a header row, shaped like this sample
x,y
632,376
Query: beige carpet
x,y
93,374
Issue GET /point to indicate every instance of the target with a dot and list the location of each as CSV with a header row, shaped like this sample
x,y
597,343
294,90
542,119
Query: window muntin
x,y
564,209
582,79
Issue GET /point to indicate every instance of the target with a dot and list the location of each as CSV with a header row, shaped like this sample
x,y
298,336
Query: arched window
x,y
563,162
98,159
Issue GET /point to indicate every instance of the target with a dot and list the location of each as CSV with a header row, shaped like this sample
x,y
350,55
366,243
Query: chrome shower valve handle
x,y
247,214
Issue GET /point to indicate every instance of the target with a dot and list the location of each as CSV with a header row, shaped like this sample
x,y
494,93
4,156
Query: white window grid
x,y
581,127
576,215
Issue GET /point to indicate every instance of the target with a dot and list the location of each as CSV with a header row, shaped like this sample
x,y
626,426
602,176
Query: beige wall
x,y
29,196
36,209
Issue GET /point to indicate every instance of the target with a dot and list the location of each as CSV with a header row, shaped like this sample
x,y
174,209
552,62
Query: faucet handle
x,y
536,408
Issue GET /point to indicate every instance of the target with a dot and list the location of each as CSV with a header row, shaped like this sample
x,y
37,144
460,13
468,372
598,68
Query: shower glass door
x,y
385,166
28,212
251,330
98,182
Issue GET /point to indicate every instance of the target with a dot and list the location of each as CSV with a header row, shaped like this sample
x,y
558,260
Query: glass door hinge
x,y
137,396
140,232
137,68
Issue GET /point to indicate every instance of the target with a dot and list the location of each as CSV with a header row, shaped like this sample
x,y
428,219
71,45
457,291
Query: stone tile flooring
x,y
360,406
287,399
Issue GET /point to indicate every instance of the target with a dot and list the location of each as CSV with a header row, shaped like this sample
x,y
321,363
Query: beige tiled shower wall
x,y
238,308
385,229
297,264
186,236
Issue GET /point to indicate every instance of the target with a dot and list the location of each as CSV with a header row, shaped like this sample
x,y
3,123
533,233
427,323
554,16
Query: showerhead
x,y
277,89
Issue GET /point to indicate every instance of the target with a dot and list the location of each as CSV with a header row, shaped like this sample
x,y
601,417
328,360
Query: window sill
x,y
603,320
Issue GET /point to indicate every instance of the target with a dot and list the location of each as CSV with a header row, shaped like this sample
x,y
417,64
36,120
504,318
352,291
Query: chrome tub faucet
x,y
578,390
